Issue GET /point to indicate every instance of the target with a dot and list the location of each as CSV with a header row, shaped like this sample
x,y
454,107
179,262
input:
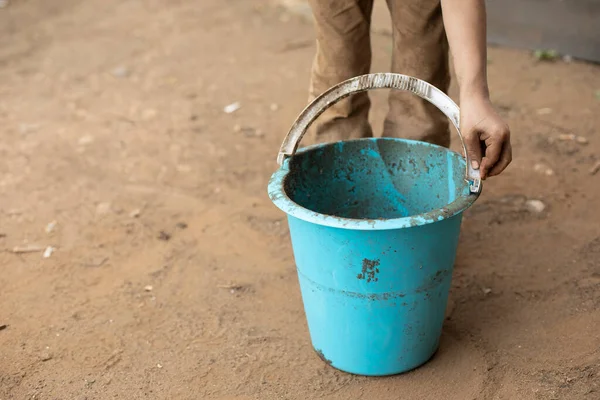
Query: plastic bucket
x,y
374,225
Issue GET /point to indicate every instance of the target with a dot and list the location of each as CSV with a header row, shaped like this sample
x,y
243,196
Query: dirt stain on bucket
x,y
322,356
369,270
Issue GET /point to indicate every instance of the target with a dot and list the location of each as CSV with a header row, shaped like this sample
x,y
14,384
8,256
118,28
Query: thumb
x,y
473,144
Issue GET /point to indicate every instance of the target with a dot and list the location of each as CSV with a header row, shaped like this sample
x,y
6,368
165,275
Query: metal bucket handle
x,y
377,81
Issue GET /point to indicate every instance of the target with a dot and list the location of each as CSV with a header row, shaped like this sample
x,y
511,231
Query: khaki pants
x,y
344,51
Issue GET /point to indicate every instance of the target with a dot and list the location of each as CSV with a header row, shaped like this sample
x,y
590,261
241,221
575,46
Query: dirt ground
x,y
173,275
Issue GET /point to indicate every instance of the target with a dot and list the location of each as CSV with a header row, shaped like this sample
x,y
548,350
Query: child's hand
x,y
486,135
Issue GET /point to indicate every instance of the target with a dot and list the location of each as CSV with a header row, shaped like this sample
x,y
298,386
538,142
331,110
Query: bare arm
x,y
487,137
465,23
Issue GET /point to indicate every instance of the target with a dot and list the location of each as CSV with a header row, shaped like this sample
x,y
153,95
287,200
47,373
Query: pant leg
x,y
343,52
420,50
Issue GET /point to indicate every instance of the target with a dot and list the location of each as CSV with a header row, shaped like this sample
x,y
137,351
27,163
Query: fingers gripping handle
x,y
377,81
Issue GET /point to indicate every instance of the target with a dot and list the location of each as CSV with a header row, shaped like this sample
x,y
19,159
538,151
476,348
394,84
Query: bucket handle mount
x,y
377,81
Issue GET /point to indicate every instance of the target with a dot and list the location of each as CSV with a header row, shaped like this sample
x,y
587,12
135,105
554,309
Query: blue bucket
x,y
374,225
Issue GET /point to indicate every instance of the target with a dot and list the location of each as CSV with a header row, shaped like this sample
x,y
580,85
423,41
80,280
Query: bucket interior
x,y
380,178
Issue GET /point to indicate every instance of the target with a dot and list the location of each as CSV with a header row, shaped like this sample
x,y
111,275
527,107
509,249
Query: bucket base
x,y
362,373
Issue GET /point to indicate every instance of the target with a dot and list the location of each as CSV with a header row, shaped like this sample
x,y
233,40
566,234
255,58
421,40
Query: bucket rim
x,y
282,201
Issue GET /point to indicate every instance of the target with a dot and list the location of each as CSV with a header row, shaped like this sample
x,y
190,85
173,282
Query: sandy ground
x,y
173,275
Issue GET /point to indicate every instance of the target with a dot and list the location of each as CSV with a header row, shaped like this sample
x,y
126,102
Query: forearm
x,y
465,23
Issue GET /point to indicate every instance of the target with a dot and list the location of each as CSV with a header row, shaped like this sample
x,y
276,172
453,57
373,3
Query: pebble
x,y
231,108
573,138
135,213
50,227
148,288
535,206
274,107
543,169
48,252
